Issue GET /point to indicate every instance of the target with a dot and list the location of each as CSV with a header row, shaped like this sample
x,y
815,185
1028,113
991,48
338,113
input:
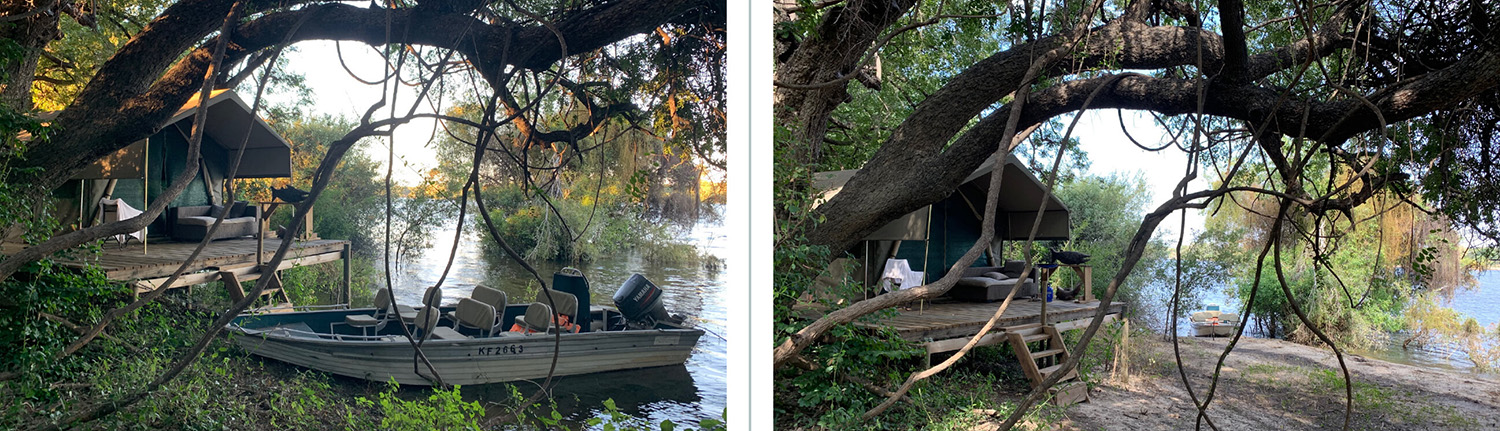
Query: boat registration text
x,y
509,349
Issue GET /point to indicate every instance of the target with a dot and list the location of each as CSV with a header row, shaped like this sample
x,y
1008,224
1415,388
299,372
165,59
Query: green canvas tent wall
x,y
140,172
934,237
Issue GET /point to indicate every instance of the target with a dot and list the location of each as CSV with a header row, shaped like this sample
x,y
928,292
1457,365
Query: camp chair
x,y
898,275
477,315
113,210
539,316
383,313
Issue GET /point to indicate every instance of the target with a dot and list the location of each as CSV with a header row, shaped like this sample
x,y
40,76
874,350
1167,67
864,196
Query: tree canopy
x,y
1312,109
647,63
549,82
1409,85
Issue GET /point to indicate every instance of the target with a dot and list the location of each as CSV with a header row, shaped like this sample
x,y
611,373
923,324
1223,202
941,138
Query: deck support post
x,y
348,297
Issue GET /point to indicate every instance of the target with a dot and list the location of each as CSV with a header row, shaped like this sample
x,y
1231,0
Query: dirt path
x,y
1273,384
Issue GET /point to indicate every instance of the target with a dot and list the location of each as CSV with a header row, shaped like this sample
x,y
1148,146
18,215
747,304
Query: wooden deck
x,y
148,265
949,320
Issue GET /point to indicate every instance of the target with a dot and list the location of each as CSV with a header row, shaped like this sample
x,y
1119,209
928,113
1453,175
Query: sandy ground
x,y
1273,384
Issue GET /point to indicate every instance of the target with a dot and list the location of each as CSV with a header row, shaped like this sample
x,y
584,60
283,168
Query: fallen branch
x,y
81,330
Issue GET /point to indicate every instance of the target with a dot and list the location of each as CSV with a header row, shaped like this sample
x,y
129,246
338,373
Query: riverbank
x,y
1274,384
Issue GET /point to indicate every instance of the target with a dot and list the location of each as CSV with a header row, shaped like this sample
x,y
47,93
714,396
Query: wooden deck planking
x,y
944,319
132,261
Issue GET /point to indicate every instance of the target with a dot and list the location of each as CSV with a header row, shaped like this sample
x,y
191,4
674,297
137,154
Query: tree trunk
x,y
30,34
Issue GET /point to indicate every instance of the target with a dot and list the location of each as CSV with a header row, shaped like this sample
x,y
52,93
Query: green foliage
x,y
1104,212
22,212
31,341
444,409
324,284
353,205
529,226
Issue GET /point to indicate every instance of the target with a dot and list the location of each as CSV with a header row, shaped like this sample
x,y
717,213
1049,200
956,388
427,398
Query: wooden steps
x,y
272,290
1046,360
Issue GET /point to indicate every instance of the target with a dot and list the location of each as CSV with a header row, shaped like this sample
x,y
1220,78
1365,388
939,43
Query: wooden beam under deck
x,y
245,272
147,271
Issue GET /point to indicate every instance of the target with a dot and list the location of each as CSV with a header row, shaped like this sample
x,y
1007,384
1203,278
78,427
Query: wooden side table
x,y
269,207
1084,272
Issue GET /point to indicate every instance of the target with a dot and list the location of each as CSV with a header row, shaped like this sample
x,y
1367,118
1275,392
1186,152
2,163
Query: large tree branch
x,y
925,133
126,100
932,176
831,53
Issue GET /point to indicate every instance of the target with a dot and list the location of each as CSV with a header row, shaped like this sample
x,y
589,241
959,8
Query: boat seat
x,y
477,315
362,321
430,299
496,299
539,316
427,323
446,333
366,322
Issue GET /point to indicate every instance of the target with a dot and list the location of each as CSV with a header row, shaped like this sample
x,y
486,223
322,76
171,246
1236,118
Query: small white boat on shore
x,y
477,343
1214,323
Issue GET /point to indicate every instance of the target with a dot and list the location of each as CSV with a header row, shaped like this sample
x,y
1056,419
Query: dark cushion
x,y
996,275
238,210
978,282
215,211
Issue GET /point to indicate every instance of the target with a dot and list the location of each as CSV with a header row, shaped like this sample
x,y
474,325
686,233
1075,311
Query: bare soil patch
x,y
1274,384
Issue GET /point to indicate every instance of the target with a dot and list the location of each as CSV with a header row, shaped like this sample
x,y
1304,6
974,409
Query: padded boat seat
x,y
478,315
361,320
495,299
430,299
427,323
446,333
383,314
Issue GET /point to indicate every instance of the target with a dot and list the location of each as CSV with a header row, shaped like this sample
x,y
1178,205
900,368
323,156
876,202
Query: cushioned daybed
x,y
191,223
991,283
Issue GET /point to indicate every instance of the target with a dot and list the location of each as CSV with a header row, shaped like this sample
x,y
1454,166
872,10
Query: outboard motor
x,y
639,300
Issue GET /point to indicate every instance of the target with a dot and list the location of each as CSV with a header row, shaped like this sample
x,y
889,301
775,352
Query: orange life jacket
x,y
561,320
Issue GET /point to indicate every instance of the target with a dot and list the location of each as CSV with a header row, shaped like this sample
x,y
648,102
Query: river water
x,y
1481,302
684,394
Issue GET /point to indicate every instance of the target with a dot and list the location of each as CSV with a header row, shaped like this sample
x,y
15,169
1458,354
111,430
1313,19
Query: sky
x,y
334,92
1111,152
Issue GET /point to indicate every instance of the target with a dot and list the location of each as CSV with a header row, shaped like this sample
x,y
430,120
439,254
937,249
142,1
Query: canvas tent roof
x,y
1016,211
267,155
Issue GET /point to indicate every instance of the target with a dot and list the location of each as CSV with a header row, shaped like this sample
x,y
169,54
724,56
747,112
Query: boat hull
x,y
1212,330
503,358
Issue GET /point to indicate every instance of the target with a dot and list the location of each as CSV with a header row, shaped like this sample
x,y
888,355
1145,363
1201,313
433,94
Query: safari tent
x,y
933,237
138,174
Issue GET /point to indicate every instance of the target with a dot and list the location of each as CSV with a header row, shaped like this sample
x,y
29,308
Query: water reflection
x,y
684,394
